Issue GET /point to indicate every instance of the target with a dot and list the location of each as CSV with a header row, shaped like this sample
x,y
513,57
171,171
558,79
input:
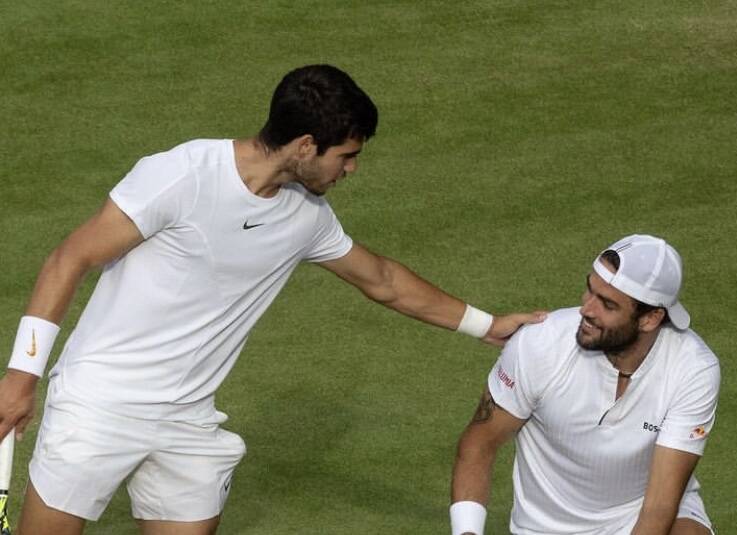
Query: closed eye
x,y
608,303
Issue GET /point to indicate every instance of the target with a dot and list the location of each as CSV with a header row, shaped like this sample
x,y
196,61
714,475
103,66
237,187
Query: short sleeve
x,y
522,372
691,415
158,192
329,241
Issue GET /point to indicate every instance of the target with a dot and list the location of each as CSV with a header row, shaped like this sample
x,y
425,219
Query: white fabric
x,y
33,343
582,459
651,271
475,322
467,517
692,507
167,321
180,471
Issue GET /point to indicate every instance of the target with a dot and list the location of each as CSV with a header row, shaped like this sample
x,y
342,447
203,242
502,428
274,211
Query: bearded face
x,y
612,339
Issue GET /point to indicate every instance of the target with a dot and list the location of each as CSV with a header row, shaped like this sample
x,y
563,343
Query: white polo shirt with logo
x,y
582,459
168,320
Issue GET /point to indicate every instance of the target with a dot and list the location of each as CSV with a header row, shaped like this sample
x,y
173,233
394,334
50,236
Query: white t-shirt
x,y
167,321
582,459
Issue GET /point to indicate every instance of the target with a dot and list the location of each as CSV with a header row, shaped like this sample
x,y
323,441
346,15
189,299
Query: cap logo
x,y
623,247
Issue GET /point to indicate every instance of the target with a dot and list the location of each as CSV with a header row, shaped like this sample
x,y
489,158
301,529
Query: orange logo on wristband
x,y
32,352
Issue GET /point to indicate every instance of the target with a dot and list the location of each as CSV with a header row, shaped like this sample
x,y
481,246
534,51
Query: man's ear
x,y
306,148
650,321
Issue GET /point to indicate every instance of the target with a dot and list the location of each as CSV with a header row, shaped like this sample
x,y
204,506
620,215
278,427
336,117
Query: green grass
x,y
516,139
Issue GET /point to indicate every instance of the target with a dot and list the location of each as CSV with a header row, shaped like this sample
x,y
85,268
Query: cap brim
x,y
678,316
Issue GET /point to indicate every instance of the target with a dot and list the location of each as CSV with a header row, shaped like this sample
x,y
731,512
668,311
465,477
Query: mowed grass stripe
x,y
515,140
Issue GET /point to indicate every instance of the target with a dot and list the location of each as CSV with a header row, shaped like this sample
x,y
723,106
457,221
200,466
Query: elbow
x,y
64,261
382,290
472,450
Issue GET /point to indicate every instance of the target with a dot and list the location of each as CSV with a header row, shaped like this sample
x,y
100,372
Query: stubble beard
x,y
610,340
307,176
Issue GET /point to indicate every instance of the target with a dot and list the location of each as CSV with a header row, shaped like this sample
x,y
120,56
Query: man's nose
x,y
587,305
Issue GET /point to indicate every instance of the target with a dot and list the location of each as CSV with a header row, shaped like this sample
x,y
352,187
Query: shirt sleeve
x,y
691,415
519,378
158,192
329,241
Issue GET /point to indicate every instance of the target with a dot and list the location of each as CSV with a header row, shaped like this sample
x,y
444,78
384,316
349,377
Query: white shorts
x,y
692,506
177,471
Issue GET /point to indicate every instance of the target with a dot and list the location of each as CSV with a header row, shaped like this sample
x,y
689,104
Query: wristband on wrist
x,y
33,345
467,517
475,322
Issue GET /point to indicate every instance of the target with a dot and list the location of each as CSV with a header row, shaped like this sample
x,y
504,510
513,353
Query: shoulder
x,y
556,332
539,349
686,354
531,360
195,153
190,153
163,187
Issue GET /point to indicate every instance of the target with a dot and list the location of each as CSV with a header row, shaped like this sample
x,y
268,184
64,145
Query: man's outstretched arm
x,y
392,284
107,235
490,427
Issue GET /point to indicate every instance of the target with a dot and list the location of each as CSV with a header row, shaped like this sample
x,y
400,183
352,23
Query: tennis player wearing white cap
x,y
611,404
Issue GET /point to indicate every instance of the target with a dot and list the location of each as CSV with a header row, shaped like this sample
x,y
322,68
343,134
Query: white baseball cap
x,y
650,271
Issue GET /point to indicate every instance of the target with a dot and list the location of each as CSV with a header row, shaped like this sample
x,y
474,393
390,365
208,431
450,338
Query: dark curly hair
x,y
320,100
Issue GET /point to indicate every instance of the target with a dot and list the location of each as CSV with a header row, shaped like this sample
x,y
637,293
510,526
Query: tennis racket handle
x,y
6,459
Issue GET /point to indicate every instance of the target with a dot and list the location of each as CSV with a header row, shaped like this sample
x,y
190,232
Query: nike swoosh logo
x,y
32,352
246,226
227,486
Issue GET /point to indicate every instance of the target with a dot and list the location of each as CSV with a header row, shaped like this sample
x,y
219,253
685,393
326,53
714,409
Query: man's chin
x,y
586,342
316,192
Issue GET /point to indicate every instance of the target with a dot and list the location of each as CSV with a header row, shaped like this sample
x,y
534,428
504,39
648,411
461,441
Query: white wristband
x,y
467,517
475,322
33,345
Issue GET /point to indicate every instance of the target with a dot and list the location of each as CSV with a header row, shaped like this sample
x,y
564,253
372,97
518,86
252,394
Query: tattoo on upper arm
x,y
485,410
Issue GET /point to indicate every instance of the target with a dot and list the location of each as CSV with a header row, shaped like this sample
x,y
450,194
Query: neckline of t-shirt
x,y
645,365
251,196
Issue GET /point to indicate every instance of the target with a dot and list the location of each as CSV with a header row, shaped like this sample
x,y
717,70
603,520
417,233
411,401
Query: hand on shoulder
x,y
503,327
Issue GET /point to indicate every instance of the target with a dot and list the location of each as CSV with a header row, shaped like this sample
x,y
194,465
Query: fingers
x,y
504,327
533,317
492,340
20,426
5,428
7,425
523,318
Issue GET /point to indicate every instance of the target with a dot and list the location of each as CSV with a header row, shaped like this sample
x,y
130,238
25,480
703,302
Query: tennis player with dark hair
x,y
611,404
195,244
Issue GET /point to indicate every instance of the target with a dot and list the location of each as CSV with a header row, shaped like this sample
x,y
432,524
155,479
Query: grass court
x,y
516,139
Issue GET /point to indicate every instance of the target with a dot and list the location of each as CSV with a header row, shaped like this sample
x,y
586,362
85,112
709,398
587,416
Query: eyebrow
x,y
601,297
352,154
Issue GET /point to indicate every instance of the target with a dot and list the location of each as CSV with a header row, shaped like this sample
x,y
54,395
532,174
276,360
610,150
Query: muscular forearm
x,y
655,521
471,481
408,293
56,285
472,470
50,300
